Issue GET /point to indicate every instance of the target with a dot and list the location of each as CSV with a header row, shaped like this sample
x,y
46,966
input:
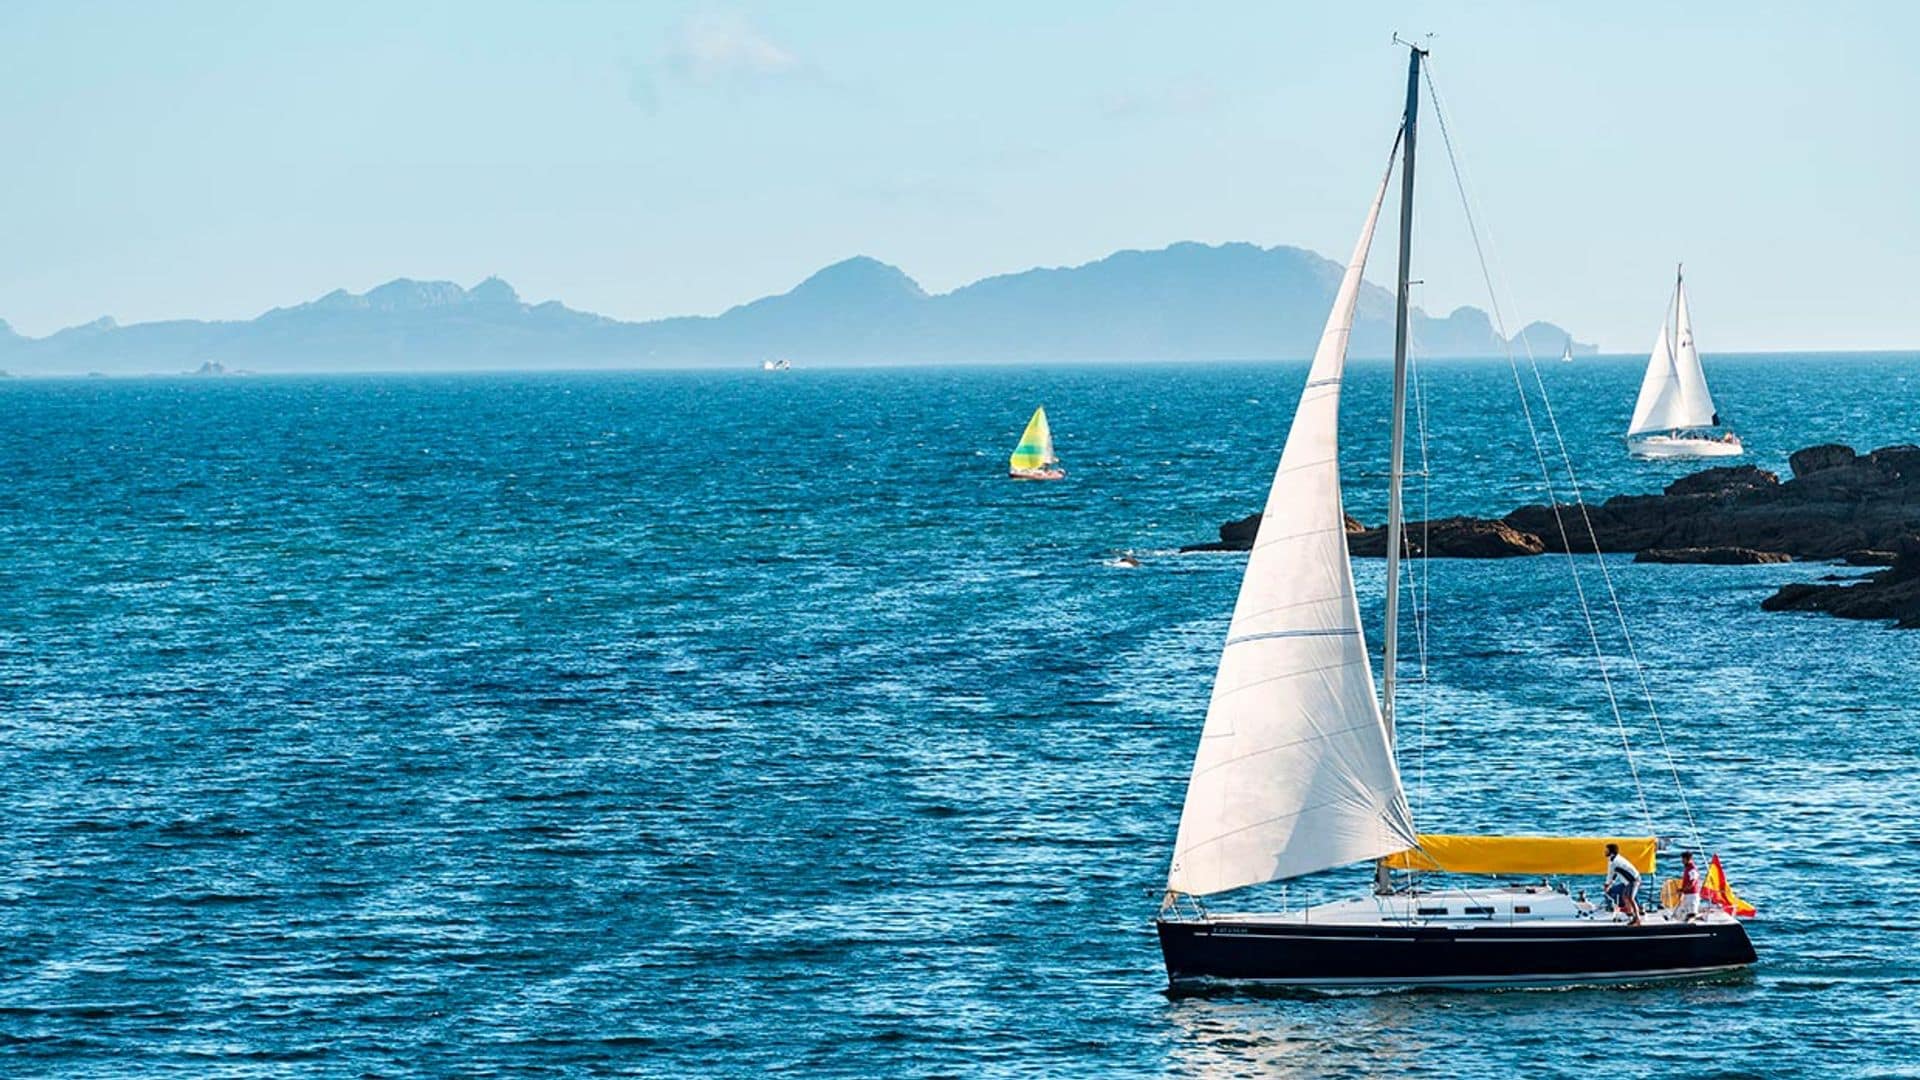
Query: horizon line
x,y
7,376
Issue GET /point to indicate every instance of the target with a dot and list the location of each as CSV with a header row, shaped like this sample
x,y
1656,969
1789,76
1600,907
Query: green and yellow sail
x,y
1036,444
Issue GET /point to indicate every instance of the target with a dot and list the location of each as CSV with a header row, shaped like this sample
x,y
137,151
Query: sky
x,y
203,160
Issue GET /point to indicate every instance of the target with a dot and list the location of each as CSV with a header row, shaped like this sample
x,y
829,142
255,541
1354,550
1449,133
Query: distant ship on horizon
x,y
777,364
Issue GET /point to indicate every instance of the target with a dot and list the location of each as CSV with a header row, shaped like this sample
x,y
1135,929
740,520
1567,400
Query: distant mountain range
x,y
1185,302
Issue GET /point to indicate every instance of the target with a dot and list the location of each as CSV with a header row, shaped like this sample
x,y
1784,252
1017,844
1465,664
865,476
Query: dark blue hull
x,y
1471,954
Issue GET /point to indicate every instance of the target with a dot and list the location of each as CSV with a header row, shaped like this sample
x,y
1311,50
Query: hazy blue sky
x,y
213,160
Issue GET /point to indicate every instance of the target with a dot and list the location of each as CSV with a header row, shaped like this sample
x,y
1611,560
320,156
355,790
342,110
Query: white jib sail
x,y
1295,771
1658,406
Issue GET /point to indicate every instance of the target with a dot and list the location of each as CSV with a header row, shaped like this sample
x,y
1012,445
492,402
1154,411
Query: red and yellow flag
x,y
1715,890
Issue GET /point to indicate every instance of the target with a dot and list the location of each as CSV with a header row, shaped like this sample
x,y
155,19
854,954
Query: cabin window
x,y
1523,909
1433,911
1479,911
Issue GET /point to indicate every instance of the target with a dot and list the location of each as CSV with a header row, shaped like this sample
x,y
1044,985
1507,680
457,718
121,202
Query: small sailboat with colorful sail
x,y
1033,459
1296,771
1674,414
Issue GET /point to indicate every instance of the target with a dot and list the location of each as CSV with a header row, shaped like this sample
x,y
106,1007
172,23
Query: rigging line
x,y
1613,598
1546,472
1425,602
1586,519
1421,584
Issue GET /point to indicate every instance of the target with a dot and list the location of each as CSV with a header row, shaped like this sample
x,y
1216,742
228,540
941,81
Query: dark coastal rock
x,y
1893,593
1723,480
1838,505
1237,535
1868,558
1452,538
1900,464
1717,556
1447,538
1815,459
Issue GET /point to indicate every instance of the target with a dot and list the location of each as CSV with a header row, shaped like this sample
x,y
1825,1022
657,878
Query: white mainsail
x,y
1673,393
1295,771
1686,364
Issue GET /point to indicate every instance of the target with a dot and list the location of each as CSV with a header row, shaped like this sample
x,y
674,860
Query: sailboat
x,y
1675,406
1295,772
1033,459
1566,354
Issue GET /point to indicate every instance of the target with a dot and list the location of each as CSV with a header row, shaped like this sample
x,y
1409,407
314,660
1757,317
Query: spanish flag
x,y
1715,890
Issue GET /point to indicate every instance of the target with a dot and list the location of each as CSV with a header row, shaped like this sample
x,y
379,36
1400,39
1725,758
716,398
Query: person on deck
x,y
1623,881
1689,887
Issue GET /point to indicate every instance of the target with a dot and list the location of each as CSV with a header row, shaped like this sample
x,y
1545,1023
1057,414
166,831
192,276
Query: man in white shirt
x,y
1623,881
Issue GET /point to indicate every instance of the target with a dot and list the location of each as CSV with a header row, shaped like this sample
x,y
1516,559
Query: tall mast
x,y
1679,282
1397,465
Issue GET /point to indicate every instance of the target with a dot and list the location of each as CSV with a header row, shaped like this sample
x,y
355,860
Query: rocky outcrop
x,y
1893,593
1720,556
1838,505
1235,535
1454,537
1814,459
1869,558
1238,535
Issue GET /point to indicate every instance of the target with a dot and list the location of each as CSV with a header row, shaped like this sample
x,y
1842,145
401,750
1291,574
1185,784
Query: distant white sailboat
x,y
1566,354
1675,408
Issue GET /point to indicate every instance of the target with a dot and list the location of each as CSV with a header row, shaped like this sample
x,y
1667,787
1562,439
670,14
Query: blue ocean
x,y
733,723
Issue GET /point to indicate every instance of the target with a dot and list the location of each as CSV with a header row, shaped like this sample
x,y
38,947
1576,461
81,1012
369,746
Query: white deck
x,y
1505,904
1685,446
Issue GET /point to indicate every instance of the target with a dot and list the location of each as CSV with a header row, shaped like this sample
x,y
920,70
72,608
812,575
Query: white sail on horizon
x,y
1673,392
1295,771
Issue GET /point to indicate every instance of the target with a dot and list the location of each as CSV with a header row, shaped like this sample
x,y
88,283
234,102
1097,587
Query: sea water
x,y
732,722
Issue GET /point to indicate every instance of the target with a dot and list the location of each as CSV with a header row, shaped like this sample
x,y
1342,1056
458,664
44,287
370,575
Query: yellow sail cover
x,y
1036,444
1528,855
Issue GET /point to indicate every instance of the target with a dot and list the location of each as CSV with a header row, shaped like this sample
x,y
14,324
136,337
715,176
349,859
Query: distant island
x,y
1184,302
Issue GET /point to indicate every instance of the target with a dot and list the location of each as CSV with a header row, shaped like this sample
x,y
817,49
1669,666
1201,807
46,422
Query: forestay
x,y
1295,771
